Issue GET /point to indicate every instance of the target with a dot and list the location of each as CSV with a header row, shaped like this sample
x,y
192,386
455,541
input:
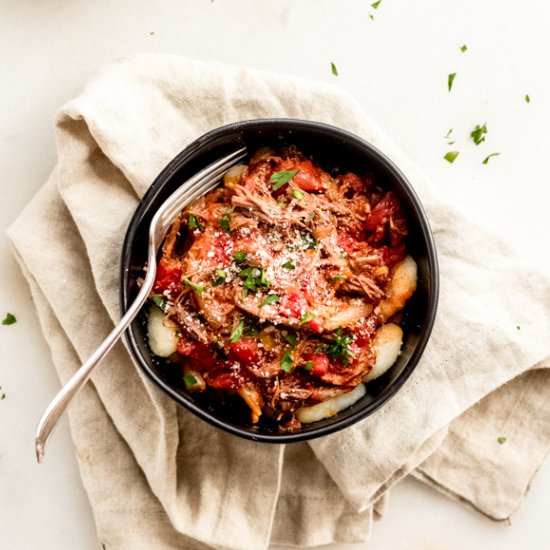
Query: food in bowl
x,y
283,288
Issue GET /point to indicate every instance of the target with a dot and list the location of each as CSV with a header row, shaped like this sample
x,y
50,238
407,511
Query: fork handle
x,y
61,401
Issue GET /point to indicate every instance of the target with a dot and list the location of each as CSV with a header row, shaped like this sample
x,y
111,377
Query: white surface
x,y
396,66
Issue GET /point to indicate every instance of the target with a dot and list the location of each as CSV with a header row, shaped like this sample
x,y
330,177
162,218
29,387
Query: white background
x,y
396,66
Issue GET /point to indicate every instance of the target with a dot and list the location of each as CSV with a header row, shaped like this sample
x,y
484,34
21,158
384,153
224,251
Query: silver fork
x,y
200,183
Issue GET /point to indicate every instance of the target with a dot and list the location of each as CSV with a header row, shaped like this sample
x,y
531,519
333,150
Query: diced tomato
x,y
293,304
245,351
386,217
346,242
222,247
308,177
317,325
168,278
227,375
320,362
201,355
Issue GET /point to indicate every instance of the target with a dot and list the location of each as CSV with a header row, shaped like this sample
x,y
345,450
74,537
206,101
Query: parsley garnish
x,y
450,80
253,279
308,240
451,156
486,159
288,265
527,98
272,299
189,380
477,134
199,288
502,440
291,339
281,204
160,301
371,16
376,4
309,366
224,222
222,275
286,363
278,179
306,317
194,223
340,347
10,319
463,48
448,134
338,278
230,210
311,216
240,256
334,69
237,334
298,195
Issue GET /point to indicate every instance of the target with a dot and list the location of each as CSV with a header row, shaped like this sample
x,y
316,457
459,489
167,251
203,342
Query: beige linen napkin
x,y
158,477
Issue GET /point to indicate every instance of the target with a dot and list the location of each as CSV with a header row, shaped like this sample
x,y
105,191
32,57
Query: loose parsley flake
x,y
194,223
371,17
199,288
502,440
10,319
278,179
450,80
478,133
451,156
286,363
298,195
463,48
376,4
334,69
288,265
272,299
448,134
309,366
309,240
527,98
486,159
281,204
237,334
338,278
291,339
253,278
311,216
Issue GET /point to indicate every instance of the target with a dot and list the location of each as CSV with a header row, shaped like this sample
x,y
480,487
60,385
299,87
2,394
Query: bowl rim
x,y
433,283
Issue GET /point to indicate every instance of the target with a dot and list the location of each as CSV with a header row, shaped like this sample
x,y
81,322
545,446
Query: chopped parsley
x,y
230,210
478,133
298,195
486,159
308,240
371,16
240,256
448,134
306,317
463,48
288,265
291,339
160,301
222,275
309,366
340,347
311,216
281,204
338,278
199,288
278,179
253,278
194,223
189,380
451,156
334,69
10,319
376,4
527,98
272,299
224,222
502,440
237,334
286,363
518,328
450,80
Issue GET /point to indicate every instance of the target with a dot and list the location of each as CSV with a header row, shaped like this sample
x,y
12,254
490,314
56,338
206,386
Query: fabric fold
x,y
156,473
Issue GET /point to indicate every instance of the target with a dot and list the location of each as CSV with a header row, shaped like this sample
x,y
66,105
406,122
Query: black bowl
x,y
333,149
